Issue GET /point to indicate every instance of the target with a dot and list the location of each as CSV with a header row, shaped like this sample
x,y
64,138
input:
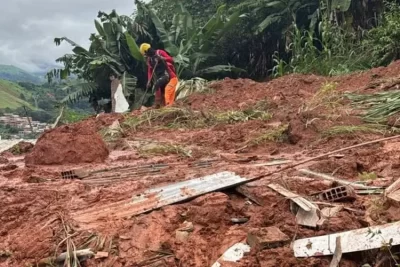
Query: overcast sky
x,y
28,27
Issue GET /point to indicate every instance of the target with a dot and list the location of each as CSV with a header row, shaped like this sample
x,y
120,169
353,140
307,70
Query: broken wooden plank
x,y
337,256
337,180
360,212
393,187
244,190
233,254
394,198
302,202
370,192
266,238
352,241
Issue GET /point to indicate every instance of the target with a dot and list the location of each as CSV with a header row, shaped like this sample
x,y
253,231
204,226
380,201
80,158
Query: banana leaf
x,y
133,47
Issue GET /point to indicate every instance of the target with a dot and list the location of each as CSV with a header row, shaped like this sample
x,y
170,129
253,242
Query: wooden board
x,y
302,202
351,241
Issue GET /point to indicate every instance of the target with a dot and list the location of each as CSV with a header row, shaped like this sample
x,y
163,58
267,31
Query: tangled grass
x,y
173,117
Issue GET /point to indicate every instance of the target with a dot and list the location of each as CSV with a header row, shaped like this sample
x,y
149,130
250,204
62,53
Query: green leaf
x,y
163,34
133,47
342,5
99,28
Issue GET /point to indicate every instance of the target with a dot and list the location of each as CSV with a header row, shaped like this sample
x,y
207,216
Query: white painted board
x,y
352,241
233,254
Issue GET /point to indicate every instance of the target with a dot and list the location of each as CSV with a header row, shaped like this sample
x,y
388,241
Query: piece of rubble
x,y
394,198
327,213
393,187
308,218
337,256
369,238
244,190
307,215
341,193
266,238
330,178
239,220
233,254
75,174
101,255
80,254
300,201
182,234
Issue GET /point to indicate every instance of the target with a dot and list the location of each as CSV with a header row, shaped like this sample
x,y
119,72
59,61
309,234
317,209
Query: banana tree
x,y
192,45
113,49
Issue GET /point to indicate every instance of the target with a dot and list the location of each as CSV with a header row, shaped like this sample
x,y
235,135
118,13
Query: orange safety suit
x,y
170,88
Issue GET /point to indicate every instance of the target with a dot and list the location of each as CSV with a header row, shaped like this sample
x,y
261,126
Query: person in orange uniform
x,y
170,87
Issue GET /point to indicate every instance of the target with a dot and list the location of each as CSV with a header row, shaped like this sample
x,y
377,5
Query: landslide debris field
x,y
86,185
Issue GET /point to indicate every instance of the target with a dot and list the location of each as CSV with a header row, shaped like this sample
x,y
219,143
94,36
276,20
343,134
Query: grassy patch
x,y
327,96
164,149
354,129
378,107
278,134
367,176
173,117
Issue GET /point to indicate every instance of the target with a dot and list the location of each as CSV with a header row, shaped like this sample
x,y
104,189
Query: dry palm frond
x,y
379,107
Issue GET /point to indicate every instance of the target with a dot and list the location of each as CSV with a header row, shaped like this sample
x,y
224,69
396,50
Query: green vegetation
x,y
218,38
379,107
163,149
354,129
10,95
12,73
278,134
367,176
172,117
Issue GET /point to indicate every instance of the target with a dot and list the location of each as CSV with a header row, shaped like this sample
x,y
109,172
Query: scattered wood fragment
x,y
327,213
101,255
307,215
302,202
80,254
244,190
308,218
266,238
337,256
393,187
359,212
373,237
318,157
233,254
394,198
336,180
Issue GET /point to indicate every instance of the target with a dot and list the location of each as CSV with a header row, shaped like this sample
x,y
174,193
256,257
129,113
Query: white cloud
x,y
28,28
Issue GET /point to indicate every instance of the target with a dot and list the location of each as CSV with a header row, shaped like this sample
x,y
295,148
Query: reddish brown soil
x,y
68,144
38,204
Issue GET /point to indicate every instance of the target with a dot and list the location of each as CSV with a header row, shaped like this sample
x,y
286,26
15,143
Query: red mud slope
x,y
42,215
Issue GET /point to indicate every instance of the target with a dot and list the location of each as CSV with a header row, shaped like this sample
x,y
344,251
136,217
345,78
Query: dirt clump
x,y
67,145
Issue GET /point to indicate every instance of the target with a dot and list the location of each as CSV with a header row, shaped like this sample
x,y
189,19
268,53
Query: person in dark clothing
x,y
159,68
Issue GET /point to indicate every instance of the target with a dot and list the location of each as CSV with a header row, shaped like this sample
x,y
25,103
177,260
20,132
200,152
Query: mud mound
x,y
69,144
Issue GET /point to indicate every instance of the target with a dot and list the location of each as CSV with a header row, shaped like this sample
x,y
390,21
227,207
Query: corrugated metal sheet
x,y
161,196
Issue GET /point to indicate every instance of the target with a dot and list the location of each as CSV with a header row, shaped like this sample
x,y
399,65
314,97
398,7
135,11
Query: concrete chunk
x,y
269,237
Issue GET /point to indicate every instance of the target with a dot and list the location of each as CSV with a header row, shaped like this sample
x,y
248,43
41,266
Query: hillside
x,y
11,95
12,73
